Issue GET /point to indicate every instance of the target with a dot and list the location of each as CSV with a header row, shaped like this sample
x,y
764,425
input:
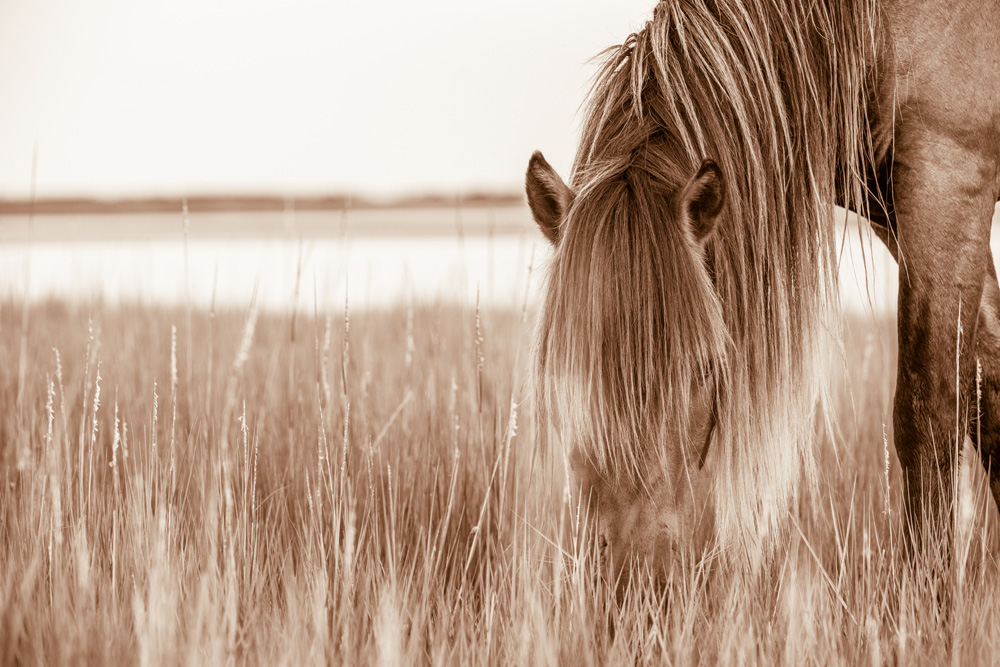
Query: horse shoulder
x,y
946,61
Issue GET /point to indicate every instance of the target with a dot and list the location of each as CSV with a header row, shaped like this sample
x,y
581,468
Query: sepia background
x,y
267,293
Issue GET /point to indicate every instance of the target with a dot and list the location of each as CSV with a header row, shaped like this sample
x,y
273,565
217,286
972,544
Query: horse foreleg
x,y
943,196
985,423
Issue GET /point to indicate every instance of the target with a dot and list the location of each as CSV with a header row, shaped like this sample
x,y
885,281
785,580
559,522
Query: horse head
x,y
630,351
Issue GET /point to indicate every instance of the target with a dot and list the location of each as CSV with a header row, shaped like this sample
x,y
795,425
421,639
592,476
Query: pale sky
x,y
294,96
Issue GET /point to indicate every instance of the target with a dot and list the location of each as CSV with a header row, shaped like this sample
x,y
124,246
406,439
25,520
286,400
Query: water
x,y
371,271
373,258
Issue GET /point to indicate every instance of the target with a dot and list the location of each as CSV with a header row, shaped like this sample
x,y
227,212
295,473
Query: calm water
x,y
370,271
374,258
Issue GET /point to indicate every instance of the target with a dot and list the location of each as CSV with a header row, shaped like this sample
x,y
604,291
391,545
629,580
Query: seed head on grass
x,y
887,509
433,557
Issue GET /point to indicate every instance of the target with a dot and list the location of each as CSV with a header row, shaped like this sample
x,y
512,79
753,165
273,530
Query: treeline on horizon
x,y
210,203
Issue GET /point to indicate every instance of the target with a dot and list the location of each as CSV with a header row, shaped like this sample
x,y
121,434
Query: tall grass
x,y
355,488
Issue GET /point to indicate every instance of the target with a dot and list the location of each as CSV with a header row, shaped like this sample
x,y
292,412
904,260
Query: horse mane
x,y
776,92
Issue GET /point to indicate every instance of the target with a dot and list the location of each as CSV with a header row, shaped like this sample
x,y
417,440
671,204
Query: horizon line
x,y
202,203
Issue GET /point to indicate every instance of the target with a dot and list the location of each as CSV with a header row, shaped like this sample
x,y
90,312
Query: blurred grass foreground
x,y
197,487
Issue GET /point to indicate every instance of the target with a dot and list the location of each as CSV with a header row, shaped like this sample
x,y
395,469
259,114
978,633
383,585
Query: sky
x,y
143,97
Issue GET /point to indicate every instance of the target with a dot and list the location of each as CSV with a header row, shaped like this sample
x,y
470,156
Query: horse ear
x,y
548,196
702,198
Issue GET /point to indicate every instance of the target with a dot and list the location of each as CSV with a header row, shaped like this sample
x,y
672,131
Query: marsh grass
x,y
356,488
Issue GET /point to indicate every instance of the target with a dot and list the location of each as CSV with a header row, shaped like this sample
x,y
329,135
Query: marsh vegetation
x,y
365,487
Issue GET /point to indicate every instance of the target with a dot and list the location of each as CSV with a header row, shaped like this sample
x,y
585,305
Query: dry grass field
x,y
355,488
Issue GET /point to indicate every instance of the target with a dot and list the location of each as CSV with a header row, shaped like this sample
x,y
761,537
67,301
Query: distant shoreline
x,y
246,203
457,219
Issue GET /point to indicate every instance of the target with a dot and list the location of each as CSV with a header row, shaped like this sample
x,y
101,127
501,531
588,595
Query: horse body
x,y
694,267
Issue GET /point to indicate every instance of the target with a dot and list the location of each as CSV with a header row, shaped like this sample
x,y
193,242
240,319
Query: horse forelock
x,y
774,92
628,319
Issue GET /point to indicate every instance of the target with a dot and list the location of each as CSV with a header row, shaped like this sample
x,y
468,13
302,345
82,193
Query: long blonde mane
x,y
776,92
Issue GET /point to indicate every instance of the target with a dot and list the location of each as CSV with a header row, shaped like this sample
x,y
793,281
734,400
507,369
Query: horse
x,y
685,321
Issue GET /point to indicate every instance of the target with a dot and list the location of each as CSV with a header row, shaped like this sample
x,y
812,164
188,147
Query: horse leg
x,y
985,423
943,192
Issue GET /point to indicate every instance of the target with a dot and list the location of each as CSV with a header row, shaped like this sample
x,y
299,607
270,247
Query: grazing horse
x,y
680,347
